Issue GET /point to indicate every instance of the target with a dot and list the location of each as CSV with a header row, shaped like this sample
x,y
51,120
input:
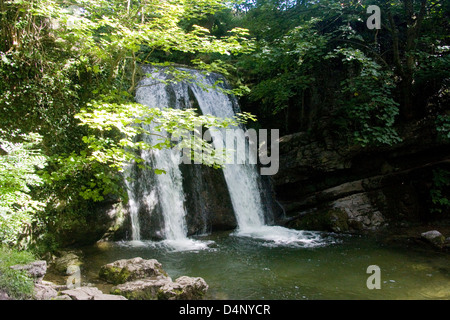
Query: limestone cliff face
x,y
325,184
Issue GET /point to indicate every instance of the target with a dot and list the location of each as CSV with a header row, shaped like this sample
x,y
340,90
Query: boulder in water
x,y
126,270
66,261
139,279
184,288
163,288
434,237
143,289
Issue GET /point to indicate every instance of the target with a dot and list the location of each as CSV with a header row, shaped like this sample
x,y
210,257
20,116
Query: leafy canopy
x,y
68,72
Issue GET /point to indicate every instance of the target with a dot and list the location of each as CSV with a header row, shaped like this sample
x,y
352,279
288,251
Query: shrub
x,y
15,282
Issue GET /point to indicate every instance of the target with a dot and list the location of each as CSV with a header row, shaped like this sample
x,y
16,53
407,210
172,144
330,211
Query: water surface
x,y
241,267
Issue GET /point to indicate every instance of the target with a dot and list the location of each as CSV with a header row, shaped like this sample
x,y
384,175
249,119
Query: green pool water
x,y
246,268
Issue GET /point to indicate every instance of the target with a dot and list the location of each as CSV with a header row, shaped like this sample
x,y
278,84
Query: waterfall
x,y
166,190
133,205
160,190
242,179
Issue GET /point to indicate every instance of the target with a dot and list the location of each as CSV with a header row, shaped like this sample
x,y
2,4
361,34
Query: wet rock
x,y
163,288
106,222
66,262
434,237
184,288
141,279
389,184
144,289
62,297
125,270
329,219
362,215
89,293
208,202
354,213
338,220
447,243
108,297
44,291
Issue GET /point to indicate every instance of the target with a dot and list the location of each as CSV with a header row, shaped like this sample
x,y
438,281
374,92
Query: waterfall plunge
x,y
166,191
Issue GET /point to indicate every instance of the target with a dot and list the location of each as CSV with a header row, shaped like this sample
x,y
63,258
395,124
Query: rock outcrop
x,y
37,270
66,261
124,270
134,279
163,288
143,289
87,293
183,288
435,238
139,279
325,184
106,222
45,290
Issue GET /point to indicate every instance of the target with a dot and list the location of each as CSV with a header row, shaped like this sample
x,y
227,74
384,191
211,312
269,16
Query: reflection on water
x,y
323,266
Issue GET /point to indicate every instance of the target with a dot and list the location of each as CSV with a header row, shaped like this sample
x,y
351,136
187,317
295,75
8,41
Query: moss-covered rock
x,y
126,270
335,220
139,279
144,289
65,261
114,275
434,237
163,288
184,288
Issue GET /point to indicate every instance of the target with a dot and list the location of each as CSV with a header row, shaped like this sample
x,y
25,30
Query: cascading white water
x,y
242,179
133,205
164,189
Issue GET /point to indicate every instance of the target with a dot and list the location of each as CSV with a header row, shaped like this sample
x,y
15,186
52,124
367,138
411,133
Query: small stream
x,y
237,267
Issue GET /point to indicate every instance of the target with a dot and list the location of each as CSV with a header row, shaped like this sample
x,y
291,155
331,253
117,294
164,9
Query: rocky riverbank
x,y
133,279
140,279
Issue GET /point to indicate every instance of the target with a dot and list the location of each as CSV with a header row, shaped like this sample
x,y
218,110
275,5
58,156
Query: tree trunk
x,y
404,60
